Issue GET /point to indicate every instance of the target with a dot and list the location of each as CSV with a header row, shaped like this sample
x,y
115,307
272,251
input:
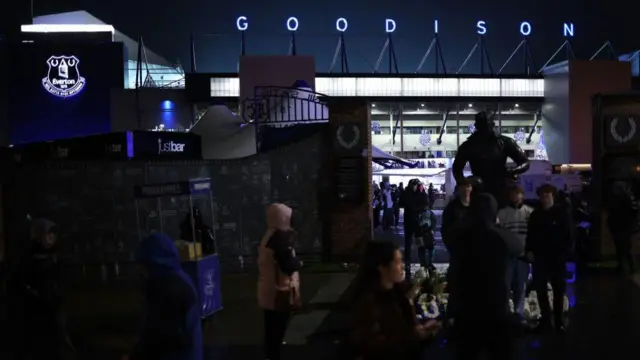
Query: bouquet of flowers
x,y
532,307
429,294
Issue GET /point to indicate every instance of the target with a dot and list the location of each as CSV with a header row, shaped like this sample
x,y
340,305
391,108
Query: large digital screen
x,y
62,90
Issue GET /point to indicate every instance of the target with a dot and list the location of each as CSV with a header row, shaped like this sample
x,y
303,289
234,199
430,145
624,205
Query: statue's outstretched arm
x,y
461,160
515,153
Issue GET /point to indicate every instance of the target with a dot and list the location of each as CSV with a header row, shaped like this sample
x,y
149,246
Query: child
x,y
425,238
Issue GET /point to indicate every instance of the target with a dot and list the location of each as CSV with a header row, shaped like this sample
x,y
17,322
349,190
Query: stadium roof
x,y
82,17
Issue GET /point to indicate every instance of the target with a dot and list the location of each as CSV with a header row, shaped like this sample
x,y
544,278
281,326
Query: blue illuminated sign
x,y
342,24
525,28
292,23
63,78
482,27
389,26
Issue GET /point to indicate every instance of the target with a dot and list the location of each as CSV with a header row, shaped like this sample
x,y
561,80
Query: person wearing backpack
x,y
425,238
624,210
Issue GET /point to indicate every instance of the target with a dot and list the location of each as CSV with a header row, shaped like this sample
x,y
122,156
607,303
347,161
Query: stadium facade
x,y
425,114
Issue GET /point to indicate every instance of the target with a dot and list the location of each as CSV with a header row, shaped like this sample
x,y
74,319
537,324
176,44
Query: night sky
x,y
166,24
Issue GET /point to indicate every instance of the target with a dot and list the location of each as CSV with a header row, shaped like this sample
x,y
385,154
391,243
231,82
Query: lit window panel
x,y
409,87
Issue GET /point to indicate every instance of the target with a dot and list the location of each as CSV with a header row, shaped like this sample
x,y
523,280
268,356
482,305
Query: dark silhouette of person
x,y
414,201
548,247
623,222
37,285
483,323
486,152
172,328
194,229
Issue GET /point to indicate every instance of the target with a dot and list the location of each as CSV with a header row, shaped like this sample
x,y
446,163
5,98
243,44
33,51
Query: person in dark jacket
x,y
425,238
172,328
548,246
414,201
453,217
623,222
483,318
385,324
396,203
37,285
194,229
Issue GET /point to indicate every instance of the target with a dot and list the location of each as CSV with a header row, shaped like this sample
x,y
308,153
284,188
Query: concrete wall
x,y
157,106
94,206
567,110
555,117
587,78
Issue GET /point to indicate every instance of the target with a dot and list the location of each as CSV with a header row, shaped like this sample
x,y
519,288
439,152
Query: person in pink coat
x,y
278,279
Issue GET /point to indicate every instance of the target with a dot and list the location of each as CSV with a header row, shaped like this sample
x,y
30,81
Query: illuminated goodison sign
x,y
390,25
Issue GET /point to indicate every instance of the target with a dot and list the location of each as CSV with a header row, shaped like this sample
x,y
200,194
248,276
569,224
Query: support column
x,y
351,212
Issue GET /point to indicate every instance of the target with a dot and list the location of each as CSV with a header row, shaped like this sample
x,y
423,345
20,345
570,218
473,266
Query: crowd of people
x,y
492,252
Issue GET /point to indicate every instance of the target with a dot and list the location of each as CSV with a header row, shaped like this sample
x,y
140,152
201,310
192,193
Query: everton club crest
x,y
64,78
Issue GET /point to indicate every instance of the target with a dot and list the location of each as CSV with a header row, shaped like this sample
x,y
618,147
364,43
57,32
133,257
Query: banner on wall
x,y
166,145
136,145
62,90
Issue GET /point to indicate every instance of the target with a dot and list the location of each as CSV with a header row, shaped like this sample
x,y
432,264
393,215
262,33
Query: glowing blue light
x,y
292,23
242,23
342,24
435,26
482,27
567,29
525,28
389,25
168,105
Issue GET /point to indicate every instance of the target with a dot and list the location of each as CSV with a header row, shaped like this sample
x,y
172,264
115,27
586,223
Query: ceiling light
x,y
422,105
470,105
373,105
517,105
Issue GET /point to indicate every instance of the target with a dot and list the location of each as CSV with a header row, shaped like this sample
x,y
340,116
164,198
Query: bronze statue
x,y
486,151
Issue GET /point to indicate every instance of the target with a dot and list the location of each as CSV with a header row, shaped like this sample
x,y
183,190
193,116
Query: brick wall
x,y
351,226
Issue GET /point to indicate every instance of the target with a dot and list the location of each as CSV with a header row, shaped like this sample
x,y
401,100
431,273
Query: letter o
x,y
292,23
342,24
525,28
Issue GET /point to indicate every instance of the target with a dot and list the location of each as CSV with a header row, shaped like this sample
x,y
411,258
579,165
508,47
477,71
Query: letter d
x,y
389,25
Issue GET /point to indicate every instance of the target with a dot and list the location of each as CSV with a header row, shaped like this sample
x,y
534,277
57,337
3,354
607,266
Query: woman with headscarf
x,y
278,279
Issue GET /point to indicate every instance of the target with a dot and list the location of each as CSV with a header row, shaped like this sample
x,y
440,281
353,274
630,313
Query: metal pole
x,y
426,55
473,50
138,221
159,207
391,129
553,56
213,219
511,56
379,61
401,130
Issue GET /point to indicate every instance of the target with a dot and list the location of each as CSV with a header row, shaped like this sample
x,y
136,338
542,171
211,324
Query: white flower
x,y
420,276
430,310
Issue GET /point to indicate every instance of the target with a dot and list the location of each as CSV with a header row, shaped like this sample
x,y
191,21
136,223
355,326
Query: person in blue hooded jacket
x,y
172,328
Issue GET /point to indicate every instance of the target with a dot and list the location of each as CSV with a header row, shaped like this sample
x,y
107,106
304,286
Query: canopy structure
x,y
387,160
224,134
